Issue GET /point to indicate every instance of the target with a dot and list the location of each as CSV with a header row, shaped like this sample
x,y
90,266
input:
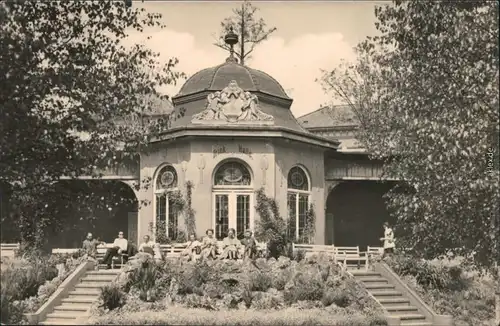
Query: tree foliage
x,y
251,30
425,95
68,84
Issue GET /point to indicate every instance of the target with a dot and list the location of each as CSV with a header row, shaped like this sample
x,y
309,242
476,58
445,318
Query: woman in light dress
x,y
209,245
231,246
388,240
193,248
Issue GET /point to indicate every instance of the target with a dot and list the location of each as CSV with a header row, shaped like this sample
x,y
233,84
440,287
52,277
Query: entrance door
x,y
132,227
232,210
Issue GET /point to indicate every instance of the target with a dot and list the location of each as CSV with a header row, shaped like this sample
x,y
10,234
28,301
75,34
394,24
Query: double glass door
x,y
232,210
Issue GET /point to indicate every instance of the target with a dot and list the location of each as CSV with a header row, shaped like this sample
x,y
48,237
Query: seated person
x,y
209,245
90,247
147,246
231,246
120,246
250,245
193,248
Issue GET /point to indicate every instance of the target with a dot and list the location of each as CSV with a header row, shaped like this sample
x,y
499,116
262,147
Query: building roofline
x,y
249,131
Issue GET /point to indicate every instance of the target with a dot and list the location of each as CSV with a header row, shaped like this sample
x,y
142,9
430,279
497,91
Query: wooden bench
x,y
8,250
350,254
101,251
374,251
311,249
173,250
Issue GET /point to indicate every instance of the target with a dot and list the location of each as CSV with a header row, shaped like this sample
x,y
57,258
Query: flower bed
x,y
262,285
27,283
468,297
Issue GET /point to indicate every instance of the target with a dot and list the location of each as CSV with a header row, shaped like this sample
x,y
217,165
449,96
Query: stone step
x,y
65,315
402,310
380,287
386,294
72,307
94,283
79,300
85,292
98,278
362,274
90,285
411,317
374,280
104,272
416,323
56,321
387,302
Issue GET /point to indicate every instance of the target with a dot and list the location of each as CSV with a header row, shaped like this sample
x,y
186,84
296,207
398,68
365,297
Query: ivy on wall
x,y
310,226
189,218
181,205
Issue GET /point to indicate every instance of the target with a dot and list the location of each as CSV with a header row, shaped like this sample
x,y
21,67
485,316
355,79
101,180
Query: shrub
x,y
191,279
112,297
271,227
299,255
305,288
20,280
260,281
145,279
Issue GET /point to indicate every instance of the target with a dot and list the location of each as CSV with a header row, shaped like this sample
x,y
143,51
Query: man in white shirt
x,y
120,246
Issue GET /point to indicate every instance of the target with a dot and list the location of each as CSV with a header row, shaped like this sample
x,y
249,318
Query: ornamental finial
x,y
231,39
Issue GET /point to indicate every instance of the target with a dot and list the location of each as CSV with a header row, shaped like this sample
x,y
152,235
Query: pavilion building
x,y
233,134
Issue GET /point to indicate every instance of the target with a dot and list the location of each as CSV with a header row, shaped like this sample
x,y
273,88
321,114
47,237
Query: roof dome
x,y
218,77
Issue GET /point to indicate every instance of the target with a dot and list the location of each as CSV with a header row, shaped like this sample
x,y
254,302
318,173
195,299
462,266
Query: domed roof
x,y
218,77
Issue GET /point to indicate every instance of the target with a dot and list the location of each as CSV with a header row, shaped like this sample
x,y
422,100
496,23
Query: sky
x,y
310,36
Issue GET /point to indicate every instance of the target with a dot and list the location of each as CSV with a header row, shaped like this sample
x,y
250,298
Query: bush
x,y
271,227
146,280
260,281
112,297
20,280
305,288
259,284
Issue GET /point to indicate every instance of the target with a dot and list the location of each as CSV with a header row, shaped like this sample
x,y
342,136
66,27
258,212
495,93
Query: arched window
x,y
166,215
299,193
233,197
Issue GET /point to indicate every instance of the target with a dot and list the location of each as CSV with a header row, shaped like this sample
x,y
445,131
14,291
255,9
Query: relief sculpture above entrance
x,y
232,105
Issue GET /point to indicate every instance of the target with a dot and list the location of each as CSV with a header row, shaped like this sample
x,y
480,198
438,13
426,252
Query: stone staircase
x,y
394,302
80,299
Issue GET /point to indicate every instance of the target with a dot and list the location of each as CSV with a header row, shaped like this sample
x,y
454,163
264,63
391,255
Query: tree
x,y
252,31
425,95
68,83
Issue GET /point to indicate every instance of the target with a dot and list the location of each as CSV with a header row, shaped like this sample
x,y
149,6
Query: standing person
x,y
120,246
209,245
230,245
388,240
250,245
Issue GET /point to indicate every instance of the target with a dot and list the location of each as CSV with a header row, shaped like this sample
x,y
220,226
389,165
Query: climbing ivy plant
x,y
189,218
